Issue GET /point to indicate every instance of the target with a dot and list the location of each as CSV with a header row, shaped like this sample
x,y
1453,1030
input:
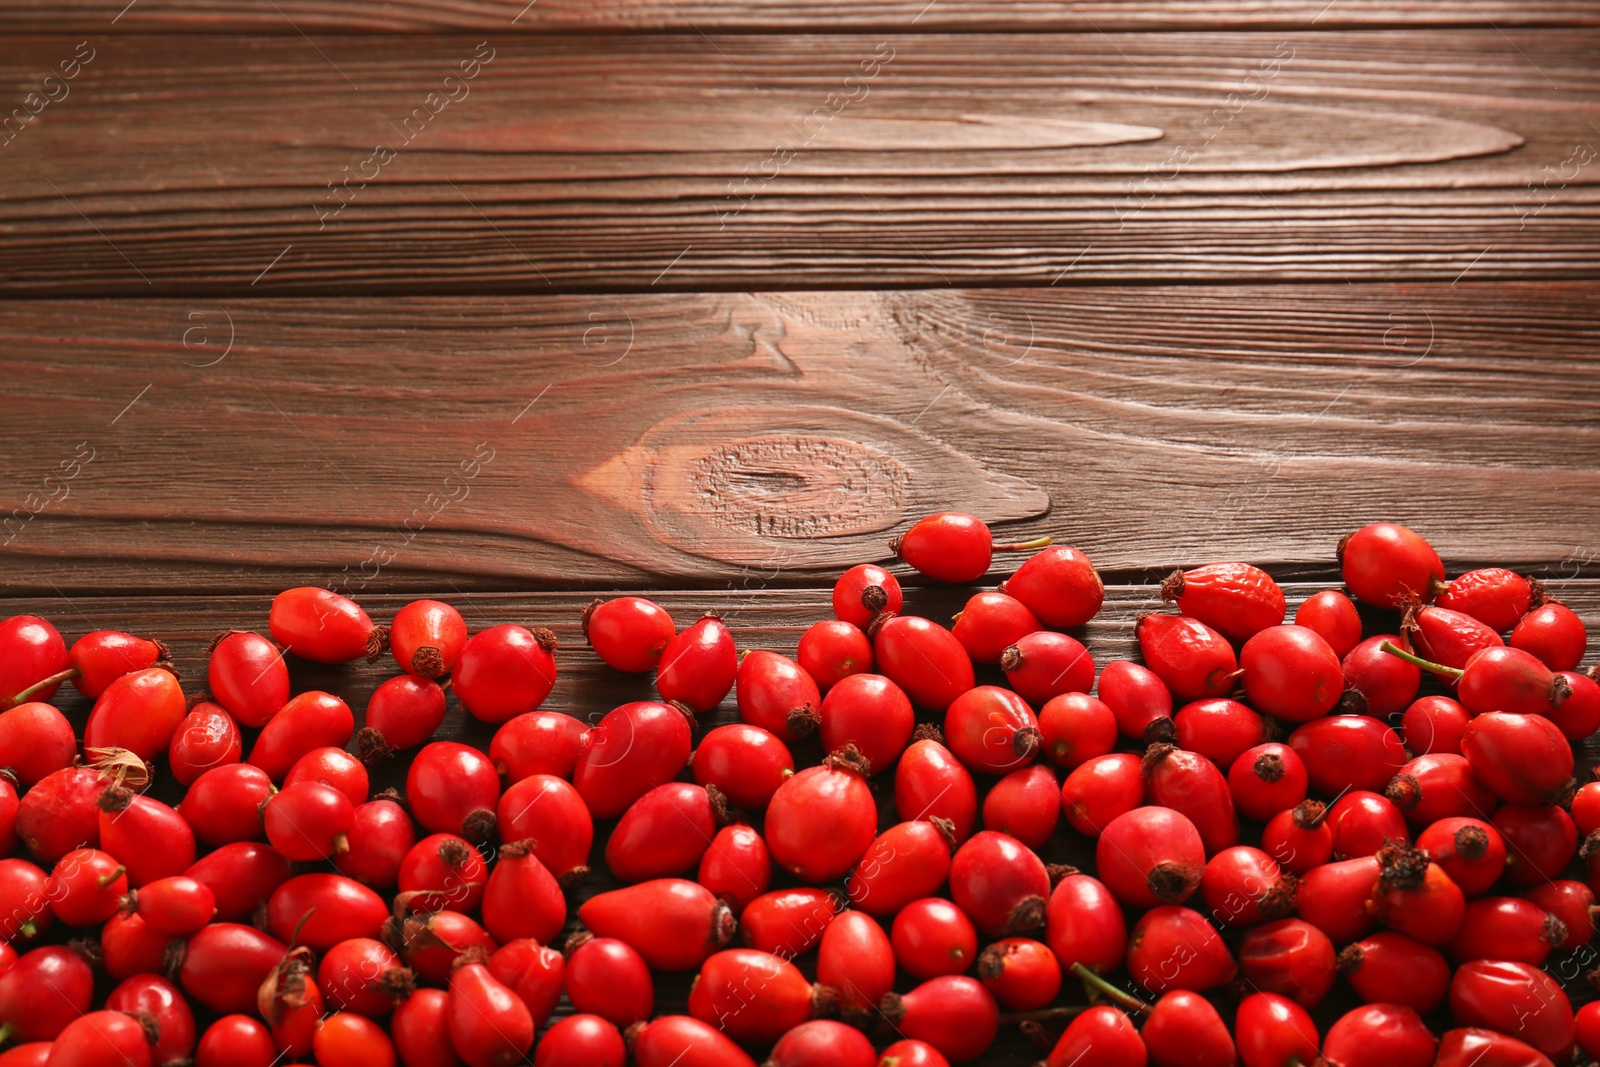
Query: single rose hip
x,y
1493,595
1391,968
1333,897
906,862
225,963
33,660
1235,599
24,908
224,804
207,737
1554,633
1220,729
581,1040
669,1041
1102,789
1183,1027
1175,948
522,898
536,974
1267,779
1384,564
832,650
1377,683
248,676
824,1043
865,591
177,906
162,1001
1348,752
1506,928
363,976
453,788
1434,724
1025,804
674,924
139,712
787,922
376,844
1075,728
310,720
1415,896
427,637
540,742
953,1013
103,656
1043,664
750,995
665,832
1289,957
820,822
629,632
856,960
737,867
777,695
291,1003
1518,999
1192,659
489,1025
1291,673
606,977
1084,925
933,937
1541,841
1469,1046
1192,786
1272,1029
1331,614
1000,884
1150,856
923,658
698,666
746,762
1524,759
104,1037
1498,678
421,1030
331,766
633,749
1059,585
319,624
431,944
992,730
1139,699
1099,1037
1381,1033
953,547
871,713
1242,886
442,871
241,876
236,1041
150,839
1430,788
1578,715
990,623
505,671
1471,851
36,740
319,910
1569,902
929,782
1363,822
1445,636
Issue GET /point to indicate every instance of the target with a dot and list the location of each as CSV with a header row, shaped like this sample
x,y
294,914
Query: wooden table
x,y
514,304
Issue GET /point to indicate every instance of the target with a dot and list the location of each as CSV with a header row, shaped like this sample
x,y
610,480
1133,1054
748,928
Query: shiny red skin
x,y
1101,1036
1385,564
1363,821
86,886
1515,998
550,812
1191,659
176,906
1389,1034
1183,1027
581,1041
103,656
737,866
505,671
823,1043
929,782
1272,1030
698,666
922,658
129,947
1434,724
1348,752
102,1037
150,839
1193,786
31,650
163,1000
225,963
1025,804
1138,698
1377,683
1021,973
36,740
991,730
1471,851
1059,585
376,844
1172,947
933,937
788,922
540,742
683,1041
990,623
820,822
241,876
850,594
1505,928
453,788
350,1040
421,1030
746,762
9,802
139,712
1000,884
907,861
1042,665
1448,637
1291,673
1075,728
1570,902
236,1041
1441,786
635,748
951,546
1587,1021
522,898
433,628
1243,886
1578,716
1333,898
1541,841
1102,789
331,766
1431,912
752,996
856,959
431,944
248,677
43,991
1333,615
832,650
606,977
24,906
674,924
320,625
953,1013
662,834
628,632
1289,957
870,712
350,976
1492,595
1524,759
404,711
443,871
1219,729
1084,924
1554,633
776,694
61,812
1150,856
309,721
1391,968
1267,779
536,974
1510,680
207,737
1235,599
339,908
489,1026
1585,808
308,821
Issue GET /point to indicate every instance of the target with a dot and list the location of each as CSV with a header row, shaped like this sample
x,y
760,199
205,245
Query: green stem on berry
x,y
1452,673
41,685
1025,546
1094,981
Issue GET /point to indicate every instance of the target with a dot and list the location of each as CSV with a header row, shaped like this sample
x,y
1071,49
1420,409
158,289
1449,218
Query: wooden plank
x,y
759,618
290,17
772,439
179,165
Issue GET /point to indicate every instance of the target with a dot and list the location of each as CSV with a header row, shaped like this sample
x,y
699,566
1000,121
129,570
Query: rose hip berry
x,y
33,660
1554,633
746,762
540,742
505,671
1000,884
871,713
1059,585
629,632
1150,856
1219,729
1025,804
103,656
1331,614
1493,595
1377,683
990,623
832,650
1192,659
1192,786
427,637
248,676
1139,699
929,782
820,822
453,788
738,866
1075,728
1045,664
1385,564
864,592
924,659
933,937
1267,779
308,821
953,547
907,861
319,624
1445,636
1102,789
992,729
674,924
1291,673
1434,724
631,750
776,694
402,713
1392,968
698,666
1236,599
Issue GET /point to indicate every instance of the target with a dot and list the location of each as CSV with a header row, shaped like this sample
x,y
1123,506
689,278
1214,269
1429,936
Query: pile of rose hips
x,y
280,912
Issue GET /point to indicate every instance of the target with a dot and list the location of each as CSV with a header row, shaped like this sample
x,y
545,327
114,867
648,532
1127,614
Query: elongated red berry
x,y
319,624
629,632
953,547
1385,564
1192,659
1236,599
1059,585
698,666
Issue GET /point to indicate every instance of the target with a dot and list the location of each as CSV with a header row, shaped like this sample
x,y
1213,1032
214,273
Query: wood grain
x,y
288,17
754,440
685,162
